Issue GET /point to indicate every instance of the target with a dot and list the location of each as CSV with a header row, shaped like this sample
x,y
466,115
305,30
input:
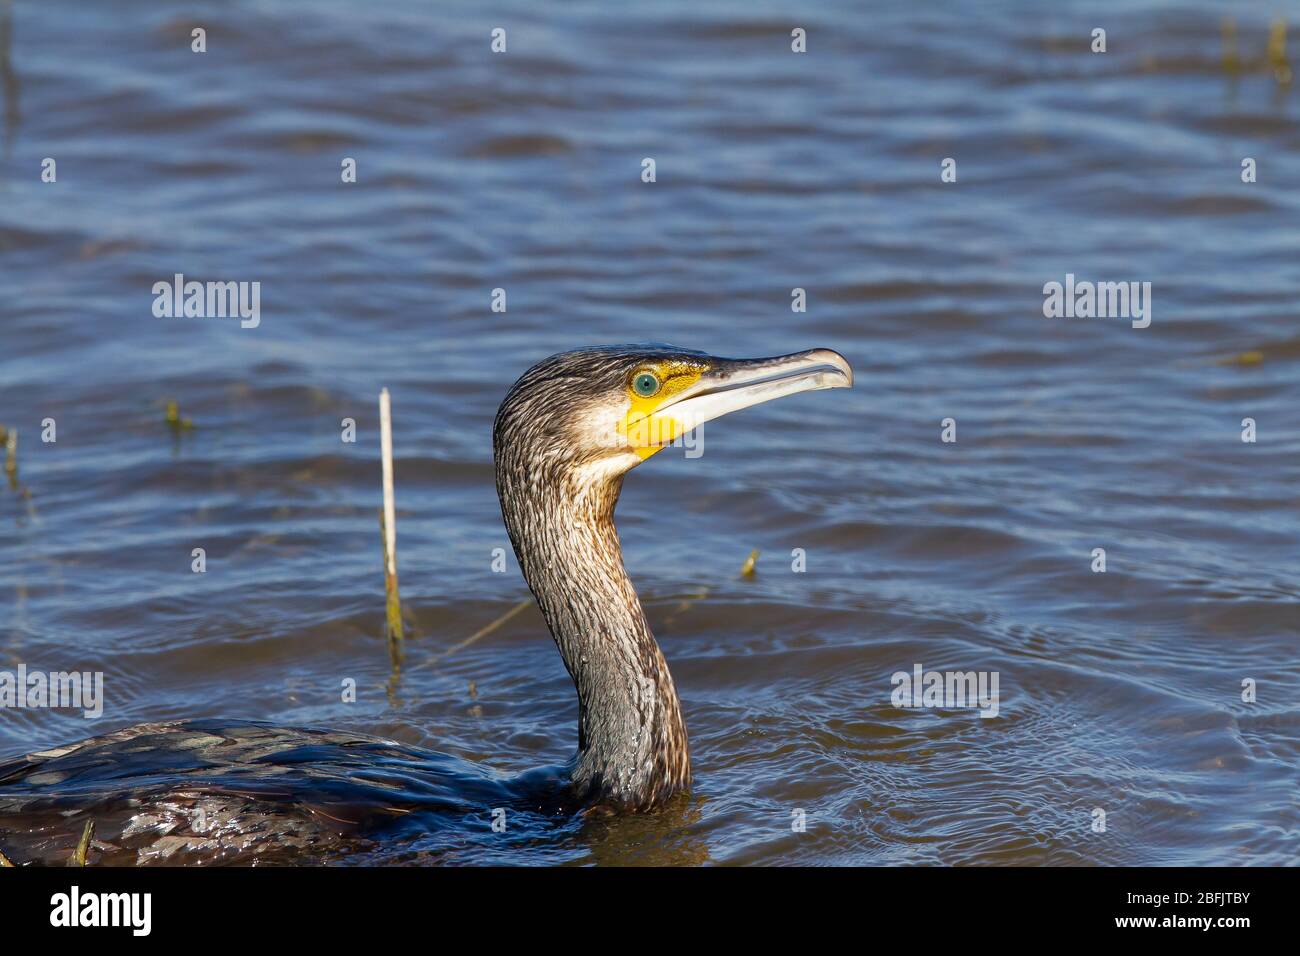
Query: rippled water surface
x,y
1120,691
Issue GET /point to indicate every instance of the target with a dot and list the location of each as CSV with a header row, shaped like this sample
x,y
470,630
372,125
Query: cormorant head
x,y
595,413
565,435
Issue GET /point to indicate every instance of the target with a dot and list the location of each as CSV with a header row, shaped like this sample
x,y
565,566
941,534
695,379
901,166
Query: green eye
x,y
645,384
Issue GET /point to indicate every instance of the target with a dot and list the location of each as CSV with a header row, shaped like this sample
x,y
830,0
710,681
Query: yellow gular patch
x,y
646,432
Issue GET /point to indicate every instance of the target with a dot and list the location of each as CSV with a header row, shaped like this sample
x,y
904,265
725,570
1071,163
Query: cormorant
x,y
237,791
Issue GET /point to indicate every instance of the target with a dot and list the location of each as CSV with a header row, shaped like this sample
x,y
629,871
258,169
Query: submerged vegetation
x,y
1243,358
9,438
1275,60
174,420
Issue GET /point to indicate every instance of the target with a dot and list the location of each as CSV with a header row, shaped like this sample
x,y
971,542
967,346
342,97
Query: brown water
x,y
1119,691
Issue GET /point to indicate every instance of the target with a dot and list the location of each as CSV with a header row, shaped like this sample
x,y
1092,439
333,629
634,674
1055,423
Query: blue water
x,y
1119,691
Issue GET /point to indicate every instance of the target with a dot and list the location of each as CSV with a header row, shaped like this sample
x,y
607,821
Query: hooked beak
x,y
732,384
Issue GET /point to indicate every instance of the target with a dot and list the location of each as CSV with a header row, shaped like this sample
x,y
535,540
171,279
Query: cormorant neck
x,y
631,739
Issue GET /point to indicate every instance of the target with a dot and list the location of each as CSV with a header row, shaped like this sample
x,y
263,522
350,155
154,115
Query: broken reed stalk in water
x,y
1277,59
83,845
388,523
11,450
1231,60
174,419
